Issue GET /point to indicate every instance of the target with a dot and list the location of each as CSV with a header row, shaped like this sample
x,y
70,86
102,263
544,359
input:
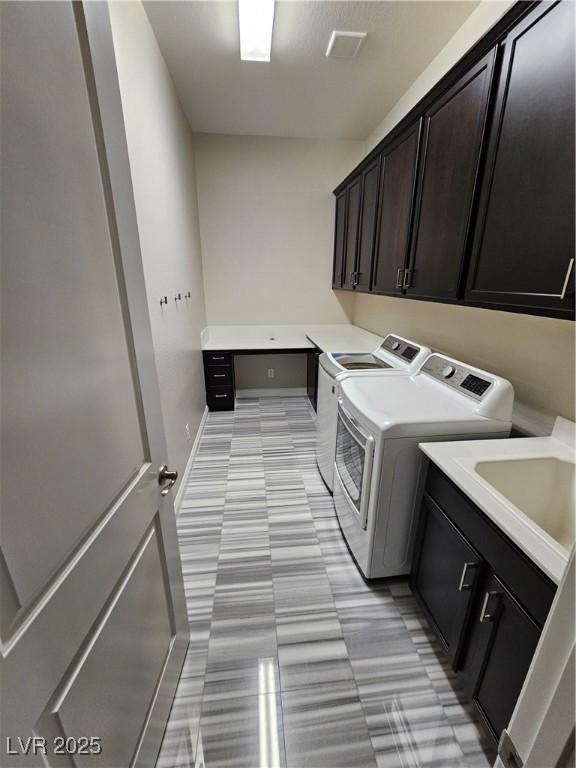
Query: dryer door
x,y
354,458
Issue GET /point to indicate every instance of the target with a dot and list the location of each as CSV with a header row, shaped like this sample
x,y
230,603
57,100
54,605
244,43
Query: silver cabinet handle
x,y
168,476
486,617
221,395
406,278
399,278
219,375
463,586
567,278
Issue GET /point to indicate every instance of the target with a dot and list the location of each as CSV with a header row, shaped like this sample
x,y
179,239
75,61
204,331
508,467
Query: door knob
x,y
168,476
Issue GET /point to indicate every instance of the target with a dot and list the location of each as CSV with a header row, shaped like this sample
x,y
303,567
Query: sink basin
x,y
541,488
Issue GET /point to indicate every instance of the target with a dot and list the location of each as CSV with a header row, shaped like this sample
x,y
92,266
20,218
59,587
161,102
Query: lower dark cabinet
x,y
219,380
312,376
448,571
220,398
502,642
219,376
485,600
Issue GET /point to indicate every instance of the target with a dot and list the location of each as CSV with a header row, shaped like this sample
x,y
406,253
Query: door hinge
x,y
507,752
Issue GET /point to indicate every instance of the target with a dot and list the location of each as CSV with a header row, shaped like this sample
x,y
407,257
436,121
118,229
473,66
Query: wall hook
x,y
164,300
178,297
188,295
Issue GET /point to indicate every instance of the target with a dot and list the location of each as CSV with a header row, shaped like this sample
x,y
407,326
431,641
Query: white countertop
x,y
343,337
458,461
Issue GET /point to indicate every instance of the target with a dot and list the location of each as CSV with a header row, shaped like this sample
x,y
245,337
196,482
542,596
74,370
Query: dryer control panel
x,y
466,380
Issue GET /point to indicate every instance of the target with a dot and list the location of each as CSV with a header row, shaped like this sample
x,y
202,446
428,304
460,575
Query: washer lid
x,y
394,355
414,405
360,361
332,363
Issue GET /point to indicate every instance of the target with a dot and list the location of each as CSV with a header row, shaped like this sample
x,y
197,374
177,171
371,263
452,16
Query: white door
x,y
93,623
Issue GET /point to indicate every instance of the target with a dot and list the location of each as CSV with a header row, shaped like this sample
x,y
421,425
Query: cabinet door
x,y
453,134
502,642
353,199
312,376
370,184
446,572
397,188
339,240
524,244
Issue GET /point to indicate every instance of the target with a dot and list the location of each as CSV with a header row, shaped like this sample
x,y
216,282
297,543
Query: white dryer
x,y
379,469
394,356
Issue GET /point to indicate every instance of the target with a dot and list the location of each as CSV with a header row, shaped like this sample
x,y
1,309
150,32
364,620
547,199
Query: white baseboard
x,y
182,487
270,392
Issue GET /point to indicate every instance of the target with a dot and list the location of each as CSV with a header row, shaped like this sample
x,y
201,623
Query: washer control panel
x,y
400,348
457,376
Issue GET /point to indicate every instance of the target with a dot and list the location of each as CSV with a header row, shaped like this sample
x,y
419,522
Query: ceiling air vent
x,y
344,45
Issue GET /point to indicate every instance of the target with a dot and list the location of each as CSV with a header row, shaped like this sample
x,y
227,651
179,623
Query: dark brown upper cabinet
x,y
397,191
353,203
523,255
453,131
368,217
339,240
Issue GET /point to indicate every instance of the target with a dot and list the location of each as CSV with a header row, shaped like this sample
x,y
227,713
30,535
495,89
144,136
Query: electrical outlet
x,y
188,435
270,373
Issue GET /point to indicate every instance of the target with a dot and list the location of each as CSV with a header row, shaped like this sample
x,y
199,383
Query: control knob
x,y
396,345
448,372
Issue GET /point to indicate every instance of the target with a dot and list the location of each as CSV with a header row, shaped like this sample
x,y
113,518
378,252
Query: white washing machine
x,y
379,469
394,356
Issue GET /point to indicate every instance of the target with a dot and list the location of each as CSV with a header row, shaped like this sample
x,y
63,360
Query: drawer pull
x,y
219,375
221,395
463,586
486,617
217,358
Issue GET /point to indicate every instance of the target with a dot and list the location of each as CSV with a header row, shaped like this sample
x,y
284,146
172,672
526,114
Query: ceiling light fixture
x,y
256,19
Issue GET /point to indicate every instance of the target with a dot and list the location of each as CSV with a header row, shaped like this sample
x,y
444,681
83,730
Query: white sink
x,y
524,485
542,488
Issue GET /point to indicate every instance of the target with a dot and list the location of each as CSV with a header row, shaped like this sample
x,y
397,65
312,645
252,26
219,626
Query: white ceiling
x,y
300,93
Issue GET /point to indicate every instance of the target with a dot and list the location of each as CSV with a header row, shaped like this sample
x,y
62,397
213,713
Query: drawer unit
x,y
220,398
217,358
219,380
219,376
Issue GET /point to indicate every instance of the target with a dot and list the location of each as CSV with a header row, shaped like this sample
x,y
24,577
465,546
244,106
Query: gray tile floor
x,y
294,660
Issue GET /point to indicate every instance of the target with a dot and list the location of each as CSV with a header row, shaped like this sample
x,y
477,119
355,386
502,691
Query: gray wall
x,y
163,174
251,371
